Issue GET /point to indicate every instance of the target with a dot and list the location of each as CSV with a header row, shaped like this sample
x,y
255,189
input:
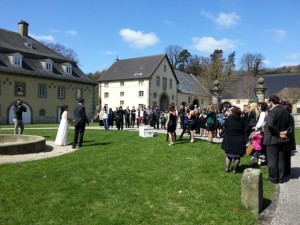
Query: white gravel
x,y
51,150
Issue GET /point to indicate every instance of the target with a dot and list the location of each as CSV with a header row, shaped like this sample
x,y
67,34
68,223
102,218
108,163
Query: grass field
x,y
121,178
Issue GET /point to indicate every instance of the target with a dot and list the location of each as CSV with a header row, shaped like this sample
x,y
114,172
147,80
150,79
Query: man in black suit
x,y
80,120
274,138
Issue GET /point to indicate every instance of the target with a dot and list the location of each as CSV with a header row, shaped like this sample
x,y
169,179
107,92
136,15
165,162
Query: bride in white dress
x,y
62,133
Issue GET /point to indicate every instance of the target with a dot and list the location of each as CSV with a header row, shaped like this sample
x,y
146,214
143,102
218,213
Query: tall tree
x,y
230,64
63,50
251,63
217,64
183,59
173,52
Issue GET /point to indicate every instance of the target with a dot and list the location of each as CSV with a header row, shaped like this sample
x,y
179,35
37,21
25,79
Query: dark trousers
x,y
132,121
78,131
275,155
127,122
120,123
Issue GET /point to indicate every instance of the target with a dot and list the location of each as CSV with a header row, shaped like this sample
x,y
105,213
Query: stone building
x,y
39,77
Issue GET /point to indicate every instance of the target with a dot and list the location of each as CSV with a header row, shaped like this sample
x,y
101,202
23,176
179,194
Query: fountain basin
x,y
21,144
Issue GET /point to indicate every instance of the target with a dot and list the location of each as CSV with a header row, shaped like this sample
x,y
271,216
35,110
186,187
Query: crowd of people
x,y
267,129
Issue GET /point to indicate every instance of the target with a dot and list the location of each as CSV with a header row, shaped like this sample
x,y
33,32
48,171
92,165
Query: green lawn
x,y
121,178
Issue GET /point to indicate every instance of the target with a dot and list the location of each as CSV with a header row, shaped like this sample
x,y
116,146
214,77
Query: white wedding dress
x,y
62,133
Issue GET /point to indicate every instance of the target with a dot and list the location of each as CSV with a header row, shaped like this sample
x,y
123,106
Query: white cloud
x,y
294,56
226,20
47,38
110,53
209,44
279,34
138,39
288,64
71,32
55,31
168,22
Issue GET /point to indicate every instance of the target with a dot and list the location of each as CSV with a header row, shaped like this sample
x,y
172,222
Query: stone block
x,y
252,190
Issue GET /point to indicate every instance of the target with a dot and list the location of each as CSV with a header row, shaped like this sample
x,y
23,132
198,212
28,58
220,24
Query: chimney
x,y
23,28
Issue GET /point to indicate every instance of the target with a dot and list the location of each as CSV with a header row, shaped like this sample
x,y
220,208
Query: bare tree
x,y
252,63
290,94
244,87
63,50
173,52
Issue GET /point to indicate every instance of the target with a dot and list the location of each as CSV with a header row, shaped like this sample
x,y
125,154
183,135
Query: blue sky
x,y
100,31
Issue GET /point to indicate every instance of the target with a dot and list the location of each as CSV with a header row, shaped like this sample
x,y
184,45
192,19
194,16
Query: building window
x,y
189,99
122,93
78,93
17,61
170,83
106,95
106,84
165,68
121,102
141,82
42,91
164,83
157,81
173,97
61,92
154,104
49,66
67,67
154,95
141,93
238,101
122,83
202,101
20,88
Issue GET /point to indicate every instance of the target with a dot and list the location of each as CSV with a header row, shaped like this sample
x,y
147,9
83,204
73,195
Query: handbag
x,y
249,149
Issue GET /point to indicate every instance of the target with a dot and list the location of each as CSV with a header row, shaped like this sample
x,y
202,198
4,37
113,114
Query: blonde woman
x,y
253,117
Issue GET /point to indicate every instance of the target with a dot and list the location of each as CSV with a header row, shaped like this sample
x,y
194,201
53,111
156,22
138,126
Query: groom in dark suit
x,y
80,120
277,123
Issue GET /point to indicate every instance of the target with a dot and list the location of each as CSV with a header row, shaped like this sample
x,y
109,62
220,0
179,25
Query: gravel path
x,y
51,150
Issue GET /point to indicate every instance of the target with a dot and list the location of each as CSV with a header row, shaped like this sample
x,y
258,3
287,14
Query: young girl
x,y
256,141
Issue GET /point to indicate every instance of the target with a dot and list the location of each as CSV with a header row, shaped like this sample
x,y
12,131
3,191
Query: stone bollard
x,y
252,190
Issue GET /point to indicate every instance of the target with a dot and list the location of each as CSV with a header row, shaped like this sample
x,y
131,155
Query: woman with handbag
x,y
234,139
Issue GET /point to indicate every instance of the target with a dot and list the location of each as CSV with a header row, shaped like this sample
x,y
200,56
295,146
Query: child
x,y
256,141
163,121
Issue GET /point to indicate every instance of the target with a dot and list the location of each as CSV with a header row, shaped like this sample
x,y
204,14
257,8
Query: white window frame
x,y
141,94
106,94
61,92
42,91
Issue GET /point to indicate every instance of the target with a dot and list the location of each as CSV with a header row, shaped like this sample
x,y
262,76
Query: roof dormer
x,y
28,44
47,64
15,59
67,67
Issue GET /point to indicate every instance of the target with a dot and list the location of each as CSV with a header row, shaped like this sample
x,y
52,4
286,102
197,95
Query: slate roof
x,y
274,84
134,68
13,42
189,84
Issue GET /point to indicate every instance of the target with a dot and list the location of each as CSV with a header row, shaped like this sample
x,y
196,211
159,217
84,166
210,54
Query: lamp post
x,y
216,93
260,90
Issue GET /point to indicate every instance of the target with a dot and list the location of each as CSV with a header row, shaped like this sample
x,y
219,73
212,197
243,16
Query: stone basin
x,y
21,144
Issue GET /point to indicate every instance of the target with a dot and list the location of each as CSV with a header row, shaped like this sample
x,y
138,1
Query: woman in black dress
x,y
235,137
171,123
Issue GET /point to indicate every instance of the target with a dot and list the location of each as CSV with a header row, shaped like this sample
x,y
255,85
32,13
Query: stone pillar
x,y
252,190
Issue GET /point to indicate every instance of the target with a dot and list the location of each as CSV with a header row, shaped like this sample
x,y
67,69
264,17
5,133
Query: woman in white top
x,y
62,133
262,116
